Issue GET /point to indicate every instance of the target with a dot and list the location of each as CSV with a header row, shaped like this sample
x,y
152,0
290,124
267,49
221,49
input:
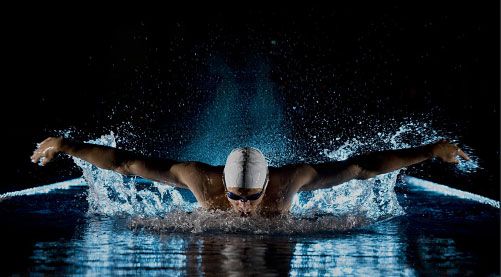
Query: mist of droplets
x,y
162,207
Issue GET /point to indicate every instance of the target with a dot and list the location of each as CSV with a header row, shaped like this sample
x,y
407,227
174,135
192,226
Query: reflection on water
x,y
104,246
438,235
361,254
107,246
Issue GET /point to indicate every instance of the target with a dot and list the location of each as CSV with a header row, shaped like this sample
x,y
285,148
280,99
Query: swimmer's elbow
x,y
365,174
123,169
128,167
361,173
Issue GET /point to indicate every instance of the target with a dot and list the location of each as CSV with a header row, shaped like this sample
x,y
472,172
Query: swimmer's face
x,y
245,208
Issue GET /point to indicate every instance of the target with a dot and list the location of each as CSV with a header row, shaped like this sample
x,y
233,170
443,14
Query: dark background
x,y
144,73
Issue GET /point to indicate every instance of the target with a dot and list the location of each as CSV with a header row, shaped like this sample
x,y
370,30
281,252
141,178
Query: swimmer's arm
x,y
372,164
121,161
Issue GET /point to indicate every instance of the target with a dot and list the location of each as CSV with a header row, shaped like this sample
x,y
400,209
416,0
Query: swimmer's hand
x,y
448,152
124,162
47,150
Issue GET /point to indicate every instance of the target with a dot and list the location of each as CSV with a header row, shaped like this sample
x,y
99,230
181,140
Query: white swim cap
x,y
245,168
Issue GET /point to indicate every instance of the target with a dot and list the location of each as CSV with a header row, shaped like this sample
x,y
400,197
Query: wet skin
x,y
206,181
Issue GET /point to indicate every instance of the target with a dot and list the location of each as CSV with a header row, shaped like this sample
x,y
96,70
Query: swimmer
x,y
246,184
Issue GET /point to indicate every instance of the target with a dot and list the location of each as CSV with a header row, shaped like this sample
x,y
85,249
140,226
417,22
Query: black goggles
x,y
246,198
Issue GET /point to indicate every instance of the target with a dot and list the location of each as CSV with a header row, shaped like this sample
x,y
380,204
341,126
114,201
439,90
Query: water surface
x,y
437,234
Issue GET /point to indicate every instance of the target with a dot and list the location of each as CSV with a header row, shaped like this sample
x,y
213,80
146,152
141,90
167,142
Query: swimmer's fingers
x,y
37,154
35,157
46,143
455,152
45,150
448,152
44,156
463,154
47,157
452,157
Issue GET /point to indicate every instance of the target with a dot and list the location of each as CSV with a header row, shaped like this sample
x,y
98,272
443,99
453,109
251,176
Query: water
x,y
437,235
354,202
105,223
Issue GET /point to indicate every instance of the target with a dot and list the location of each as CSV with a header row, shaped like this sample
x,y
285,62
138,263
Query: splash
x,y
372,199
165,208
250,113
375,198
202,221
113,194
240,114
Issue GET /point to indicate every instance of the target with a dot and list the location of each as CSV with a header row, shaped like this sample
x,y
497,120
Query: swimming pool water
x,y
437,235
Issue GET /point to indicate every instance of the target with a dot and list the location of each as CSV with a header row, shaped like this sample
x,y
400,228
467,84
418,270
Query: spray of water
x,y
164,208
112,194
250,113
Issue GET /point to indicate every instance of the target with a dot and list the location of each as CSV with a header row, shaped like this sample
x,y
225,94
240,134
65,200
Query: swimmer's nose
x,y
244,206
243,203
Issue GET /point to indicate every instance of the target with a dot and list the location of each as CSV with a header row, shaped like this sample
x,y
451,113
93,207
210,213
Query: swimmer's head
x,y
245,178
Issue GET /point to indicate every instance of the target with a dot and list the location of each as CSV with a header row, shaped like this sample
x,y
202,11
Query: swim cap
x,y
245,168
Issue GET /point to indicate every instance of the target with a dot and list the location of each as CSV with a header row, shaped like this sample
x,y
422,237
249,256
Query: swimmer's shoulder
x,y
289,170
205,182
291,175
198,175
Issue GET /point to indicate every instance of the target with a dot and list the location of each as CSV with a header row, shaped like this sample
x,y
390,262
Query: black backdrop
x,y
93,68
